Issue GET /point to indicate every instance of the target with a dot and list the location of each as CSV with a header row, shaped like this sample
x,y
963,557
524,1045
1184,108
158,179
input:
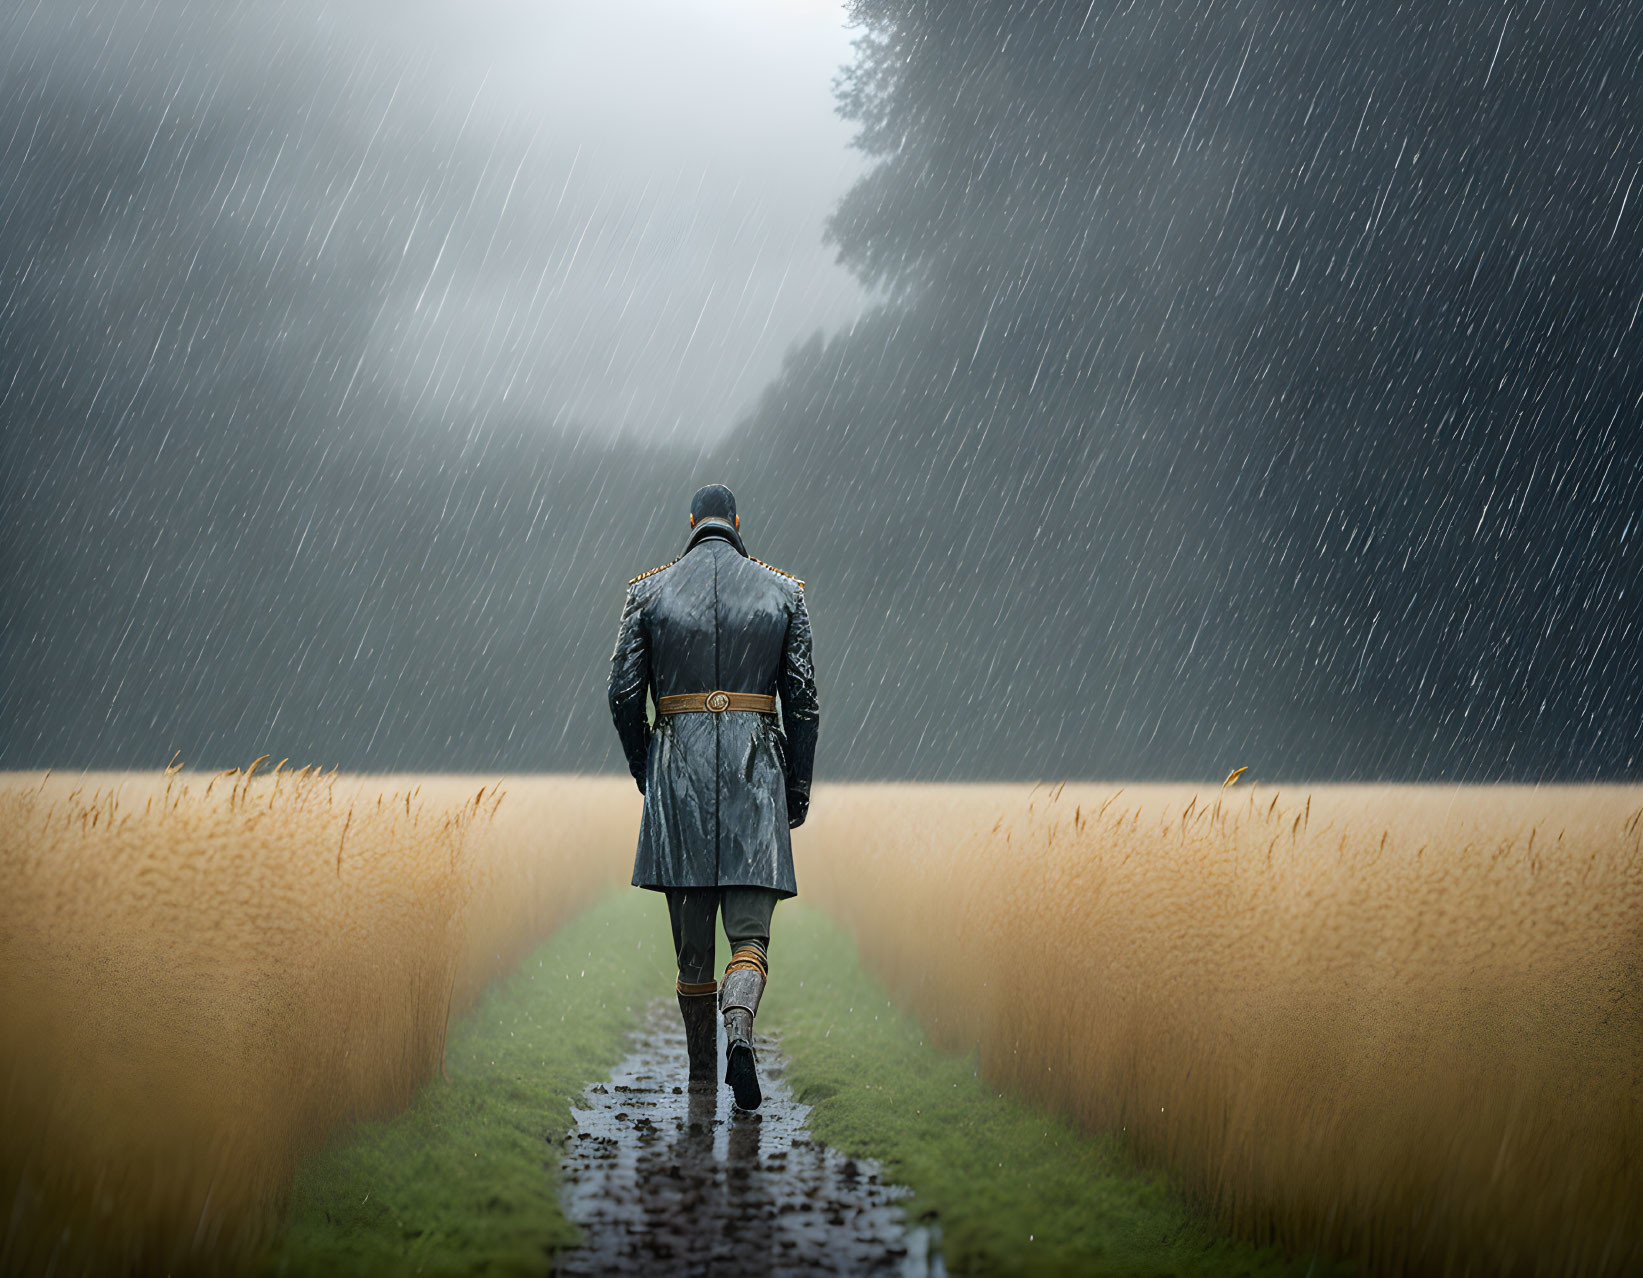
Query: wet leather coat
x,y
721,790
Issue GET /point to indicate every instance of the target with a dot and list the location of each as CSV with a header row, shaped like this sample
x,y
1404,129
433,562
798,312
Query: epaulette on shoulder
x,y
635,580
776,570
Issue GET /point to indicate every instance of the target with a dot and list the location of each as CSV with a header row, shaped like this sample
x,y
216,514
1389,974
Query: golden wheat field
x,y
204,977
1400,1023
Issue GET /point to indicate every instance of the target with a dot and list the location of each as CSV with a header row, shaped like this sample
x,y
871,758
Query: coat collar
x,y
713,528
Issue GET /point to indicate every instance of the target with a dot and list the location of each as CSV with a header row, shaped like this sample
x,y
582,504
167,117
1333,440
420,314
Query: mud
x,y
665,1181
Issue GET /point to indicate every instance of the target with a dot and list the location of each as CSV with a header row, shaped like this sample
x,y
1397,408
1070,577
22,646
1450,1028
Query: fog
x,y
604,217
1143,391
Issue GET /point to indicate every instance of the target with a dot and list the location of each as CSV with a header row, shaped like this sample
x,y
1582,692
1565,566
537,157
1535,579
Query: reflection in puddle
x,y
666,1182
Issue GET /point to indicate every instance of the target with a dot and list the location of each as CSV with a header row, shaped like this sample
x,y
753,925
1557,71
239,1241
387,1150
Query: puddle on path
x,y
665,1182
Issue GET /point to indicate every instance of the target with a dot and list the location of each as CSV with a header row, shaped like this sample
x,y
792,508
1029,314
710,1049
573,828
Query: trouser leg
x,y
692,913
747,914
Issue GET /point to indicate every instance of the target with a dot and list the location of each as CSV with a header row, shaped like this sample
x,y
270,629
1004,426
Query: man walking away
x,y
715,638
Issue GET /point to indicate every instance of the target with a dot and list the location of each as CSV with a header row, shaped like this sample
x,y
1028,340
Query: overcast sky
x,y
605,215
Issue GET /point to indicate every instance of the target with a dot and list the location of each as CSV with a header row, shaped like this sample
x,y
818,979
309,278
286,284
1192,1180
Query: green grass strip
x,y
1017,1190
466,1179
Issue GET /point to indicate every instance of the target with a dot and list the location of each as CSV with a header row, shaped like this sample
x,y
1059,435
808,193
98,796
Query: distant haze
x,y
604,216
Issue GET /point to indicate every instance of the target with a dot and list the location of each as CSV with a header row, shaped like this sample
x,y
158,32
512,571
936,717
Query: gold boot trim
x,y
749,957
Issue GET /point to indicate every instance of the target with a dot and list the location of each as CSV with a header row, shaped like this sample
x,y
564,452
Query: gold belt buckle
x,y
718,702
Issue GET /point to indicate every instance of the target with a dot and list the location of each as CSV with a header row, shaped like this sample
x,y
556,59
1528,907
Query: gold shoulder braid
x,y
775,570
652,572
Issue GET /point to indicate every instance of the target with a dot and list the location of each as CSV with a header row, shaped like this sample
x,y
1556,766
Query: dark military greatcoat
x,y
721,788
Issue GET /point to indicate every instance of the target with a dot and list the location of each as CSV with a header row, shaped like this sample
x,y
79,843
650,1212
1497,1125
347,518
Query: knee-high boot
x,y
739,996
696,1005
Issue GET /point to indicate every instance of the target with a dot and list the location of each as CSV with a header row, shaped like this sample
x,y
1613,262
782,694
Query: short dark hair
x,y
714,501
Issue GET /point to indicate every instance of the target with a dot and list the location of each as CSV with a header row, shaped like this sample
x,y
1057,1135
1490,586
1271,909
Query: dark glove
x,y
798,807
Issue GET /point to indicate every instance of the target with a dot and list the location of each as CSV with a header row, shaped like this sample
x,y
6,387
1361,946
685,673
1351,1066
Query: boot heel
x,y
741,1072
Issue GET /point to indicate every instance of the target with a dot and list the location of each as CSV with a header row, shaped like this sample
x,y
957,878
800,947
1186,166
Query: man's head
x,y
715,501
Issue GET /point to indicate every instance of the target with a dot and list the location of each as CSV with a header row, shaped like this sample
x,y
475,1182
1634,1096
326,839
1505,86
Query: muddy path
x,y
664,1181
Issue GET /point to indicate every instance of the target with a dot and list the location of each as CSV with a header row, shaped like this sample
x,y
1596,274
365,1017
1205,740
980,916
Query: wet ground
x,y
664,1181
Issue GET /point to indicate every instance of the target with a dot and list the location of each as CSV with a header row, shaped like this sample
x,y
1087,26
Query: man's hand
x,y
798,807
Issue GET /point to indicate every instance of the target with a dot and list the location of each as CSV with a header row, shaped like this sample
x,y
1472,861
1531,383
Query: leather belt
x,y
716,702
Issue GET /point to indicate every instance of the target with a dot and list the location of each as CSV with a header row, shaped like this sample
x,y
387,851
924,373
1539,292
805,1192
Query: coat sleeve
x,y
801,712
629,682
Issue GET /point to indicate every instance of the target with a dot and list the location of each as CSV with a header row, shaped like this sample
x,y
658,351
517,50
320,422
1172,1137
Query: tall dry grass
x,y
1401,1023
203,977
